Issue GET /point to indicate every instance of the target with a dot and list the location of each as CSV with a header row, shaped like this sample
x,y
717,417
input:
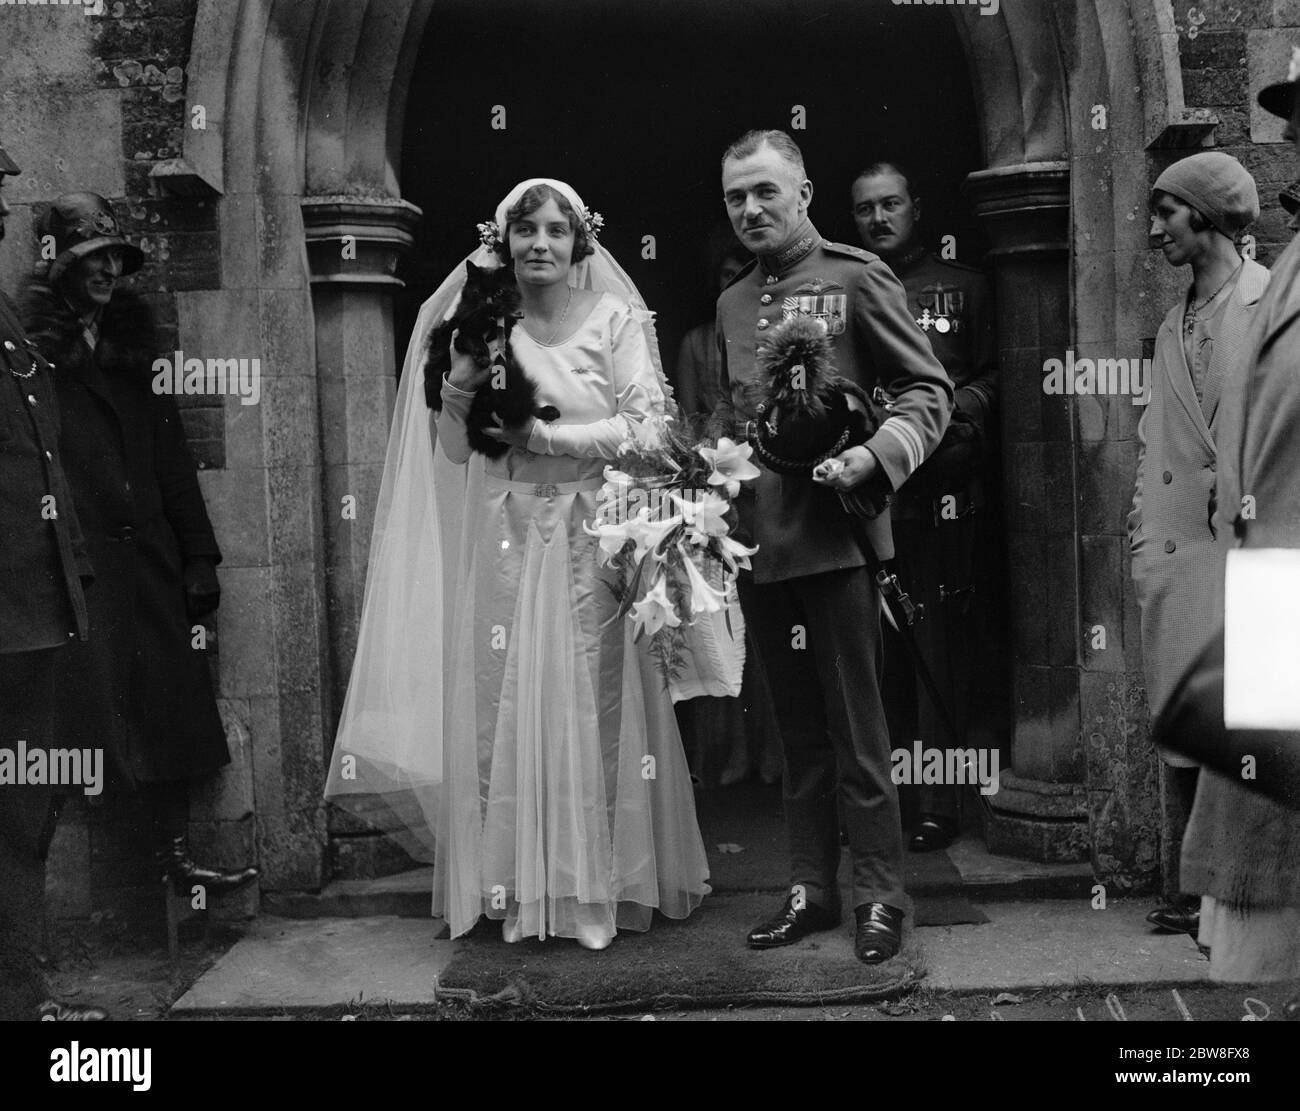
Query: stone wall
x,y
97,103
1223,53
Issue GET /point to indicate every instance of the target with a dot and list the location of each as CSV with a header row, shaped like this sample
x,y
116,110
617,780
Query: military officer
x,y
42,565
811,602
935,513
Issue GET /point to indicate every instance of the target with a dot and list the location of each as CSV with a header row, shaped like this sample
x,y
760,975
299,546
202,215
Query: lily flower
x,y
704,516
615,477
647,436
612,499
730,463
734,554
654,611
613,538
647,534
704,598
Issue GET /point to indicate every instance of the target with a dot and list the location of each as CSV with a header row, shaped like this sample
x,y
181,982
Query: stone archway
x,y
305,102
1064,200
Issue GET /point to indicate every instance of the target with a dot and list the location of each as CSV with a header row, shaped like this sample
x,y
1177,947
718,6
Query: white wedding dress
x,y
563,804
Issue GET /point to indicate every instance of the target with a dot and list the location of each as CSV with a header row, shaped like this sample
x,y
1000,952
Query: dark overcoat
x,y
139,687
42,555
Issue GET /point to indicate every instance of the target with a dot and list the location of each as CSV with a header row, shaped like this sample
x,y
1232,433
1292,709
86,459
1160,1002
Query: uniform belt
x,y
543,489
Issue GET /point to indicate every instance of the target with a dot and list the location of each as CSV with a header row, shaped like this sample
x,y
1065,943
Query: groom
x,y
811,603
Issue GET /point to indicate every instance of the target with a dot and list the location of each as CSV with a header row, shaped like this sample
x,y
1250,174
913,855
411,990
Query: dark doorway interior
x,y
633,101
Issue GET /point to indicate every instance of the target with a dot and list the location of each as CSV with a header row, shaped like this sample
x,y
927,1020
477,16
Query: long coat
x,y
1178,560
138,687
42,555
1239,846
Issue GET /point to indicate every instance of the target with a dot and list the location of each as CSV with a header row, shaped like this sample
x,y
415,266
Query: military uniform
x,y
935,531
42,609
810,602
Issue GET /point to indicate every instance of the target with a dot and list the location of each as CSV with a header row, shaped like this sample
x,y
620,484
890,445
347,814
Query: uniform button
x,y
9,346
762,325
1170,547
766,299
50,456
1167,478
31,399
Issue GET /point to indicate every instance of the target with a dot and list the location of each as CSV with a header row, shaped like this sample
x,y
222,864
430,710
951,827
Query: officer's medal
x,y
942,308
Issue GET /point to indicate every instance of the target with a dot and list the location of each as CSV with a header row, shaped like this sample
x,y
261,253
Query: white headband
x,y
512,199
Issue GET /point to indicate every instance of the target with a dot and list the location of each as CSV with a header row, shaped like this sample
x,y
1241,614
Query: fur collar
x,y
126,334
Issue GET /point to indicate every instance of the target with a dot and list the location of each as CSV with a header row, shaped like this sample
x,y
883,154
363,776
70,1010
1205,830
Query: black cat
x,y
485,317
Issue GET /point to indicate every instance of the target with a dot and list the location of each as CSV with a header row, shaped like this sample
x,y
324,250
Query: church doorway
x,y
633,105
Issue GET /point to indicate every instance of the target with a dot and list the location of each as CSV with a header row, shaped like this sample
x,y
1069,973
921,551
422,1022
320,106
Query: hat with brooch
x,y
1280,98
82,223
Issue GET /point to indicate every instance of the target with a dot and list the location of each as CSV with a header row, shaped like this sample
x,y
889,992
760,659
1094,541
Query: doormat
x,y
701,962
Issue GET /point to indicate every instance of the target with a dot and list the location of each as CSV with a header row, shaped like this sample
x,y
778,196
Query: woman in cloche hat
x,y
138,688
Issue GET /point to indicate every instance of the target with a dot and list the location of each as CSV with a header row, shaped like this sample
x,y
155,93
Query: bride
x,y
499,720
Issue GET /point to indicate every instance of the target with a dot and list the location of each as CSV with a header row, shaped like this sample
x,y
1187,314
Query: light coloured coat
x,y
1178,557
1239,846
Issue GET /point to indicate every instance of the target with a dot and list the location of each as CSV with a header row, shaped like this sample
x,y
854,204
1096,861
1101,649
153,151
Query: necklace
x,y
16,374
1190,318
563,317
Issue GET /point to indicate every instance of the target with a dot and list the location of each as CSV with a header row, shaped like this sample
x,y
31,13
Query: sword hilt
x,y
892,589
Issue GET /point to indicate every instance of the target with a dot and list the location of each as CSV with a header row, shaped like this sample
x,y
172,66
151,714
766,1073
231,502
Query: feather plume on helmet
x,y
806,413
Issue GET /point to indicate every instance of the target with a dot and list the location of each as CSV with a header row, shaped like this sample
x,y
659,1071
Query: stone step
x,y
408,894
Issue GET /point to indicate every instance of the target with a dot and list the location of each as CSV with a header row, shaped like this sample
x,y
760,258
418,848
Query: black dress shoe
x,y
55,1010
880,932
931,833
184,875
792,925
1176,920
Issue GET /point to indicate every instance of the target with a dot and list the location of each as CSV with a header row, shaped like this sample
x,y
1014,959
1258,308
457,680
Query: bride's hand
x,y
465,374
515,437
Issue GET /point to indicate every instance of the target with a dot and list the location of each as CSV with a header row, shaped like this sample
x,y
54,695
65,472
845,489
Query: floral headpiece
x,y
490,235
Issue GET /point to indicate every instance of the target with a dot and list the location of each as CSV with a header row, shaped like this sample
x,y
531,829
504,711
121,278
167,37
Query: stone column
x,y
1040,811
353,246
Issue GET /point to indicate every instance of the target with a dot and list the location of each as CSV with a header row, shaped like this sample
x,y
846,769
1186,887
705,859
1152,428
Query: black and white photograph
x,y
550,511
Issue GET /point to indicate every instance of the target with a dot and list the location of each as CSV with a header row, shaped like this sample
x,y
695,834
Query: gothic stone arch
x,y
304,102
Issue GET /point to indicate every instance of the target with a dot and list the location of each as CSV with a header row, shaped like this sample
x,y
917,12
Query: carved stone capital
x,y
357,240
1025,209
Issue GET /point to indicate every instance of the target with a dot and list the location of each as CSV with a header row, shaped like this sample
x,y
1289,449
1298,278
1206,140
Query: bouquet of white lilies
x,y
663,525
